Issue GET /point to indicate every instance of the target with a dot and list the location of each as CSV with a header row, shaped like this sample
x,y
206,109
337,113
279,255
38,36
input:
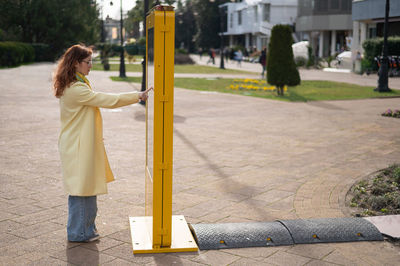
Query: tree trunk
x,y
280,90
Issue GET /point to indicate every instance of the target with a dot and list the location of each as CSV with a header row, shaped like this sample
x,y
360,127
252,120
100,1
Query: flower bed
x,y
252,85
378,195
390,113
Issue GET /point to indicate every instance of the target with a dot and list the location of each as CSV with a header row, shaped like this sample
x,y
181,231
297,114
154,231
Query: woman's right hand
x,y
144,95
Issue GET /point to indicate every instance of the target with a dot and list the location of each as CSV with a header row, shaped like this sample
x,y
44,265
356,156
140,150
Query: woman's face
x,y
84,66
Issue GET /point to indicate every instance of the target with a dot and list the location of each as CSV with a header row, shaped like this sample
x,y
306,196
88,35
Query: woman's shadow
x,y
82,253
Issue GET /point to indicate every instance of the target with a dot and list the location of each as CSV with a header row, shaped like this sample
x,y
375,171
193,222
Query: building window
x,y
321,5
240,17
256,13
346,5
114,33
334,4
372,32
266,12
231,20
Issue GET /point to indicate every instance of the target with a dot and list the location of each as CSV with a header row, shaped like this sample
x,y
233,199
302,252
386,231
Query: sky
x,y
114,10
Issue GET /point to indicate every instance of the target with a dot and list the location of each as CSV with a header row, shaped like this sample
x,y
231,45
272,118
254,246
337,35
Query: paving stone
x,y
315,251
284,258
82,256
338,258
103,244
9,226
49,261
257,253
246,261
36,230
125,252
320,263
213,257
7,239
24,209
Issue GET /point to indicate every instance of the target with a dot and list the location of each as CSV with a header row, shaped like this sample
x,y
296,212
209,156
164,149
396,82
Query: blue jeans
x,y
82,213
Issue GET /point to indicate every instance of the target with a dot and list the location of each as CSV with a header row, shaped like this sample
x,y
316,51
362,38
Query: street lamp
x,y
383,80
145,10
122,73
221,48
222,12
221,24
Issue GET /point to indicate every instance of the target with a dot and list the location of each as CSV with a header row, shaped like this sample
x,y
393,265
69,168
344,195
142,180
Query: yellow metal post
x,y
159,230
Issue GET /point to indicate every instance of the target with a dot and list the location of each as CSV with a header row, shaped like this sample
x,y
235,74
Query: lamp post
x,y
221,24
221,46
383,80
122,73
145,10
222,12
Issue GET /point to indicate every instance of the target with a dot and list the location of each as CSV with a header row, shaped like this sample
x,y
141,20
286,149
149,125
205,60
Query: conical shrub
x,y
281,67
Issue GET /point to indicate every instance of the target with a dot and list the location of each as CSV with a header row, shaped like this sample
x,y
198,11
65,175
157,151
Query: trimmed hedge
x,y
373,48
15,53
183,59
281,67
42,52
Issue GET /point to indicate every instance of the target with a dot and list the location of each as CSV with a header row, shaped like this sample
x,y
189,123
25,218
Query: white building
x,y
249,22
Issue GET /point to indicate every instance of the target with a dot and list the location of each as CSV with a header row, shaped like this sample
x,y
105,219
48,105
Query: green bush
x,y
300,61
135,49
373,48
183,59
15,53
311,57
181,51
42,52
281,68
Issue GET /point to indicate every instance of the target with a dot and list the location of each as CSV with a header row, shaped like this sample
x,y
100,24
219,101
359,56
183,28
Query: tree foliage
x,y
185,26
281,68
208,23
58,23
136,16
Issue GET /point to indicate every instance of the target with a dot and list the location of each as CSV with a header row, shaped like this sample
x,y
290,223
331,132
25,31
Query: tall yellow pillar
x,y
160,231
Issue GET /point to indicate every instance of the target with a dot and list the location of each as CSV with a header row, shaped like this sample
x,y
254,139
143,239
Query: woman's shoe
x,y
96,237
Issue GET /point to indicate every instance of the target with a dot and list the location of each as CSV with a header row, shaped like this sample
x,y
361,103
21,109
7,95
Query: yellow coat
x,y
85,166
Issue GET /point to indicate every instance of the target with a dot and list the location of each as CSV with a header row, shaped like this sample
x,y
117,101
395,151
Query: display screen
x,y
150,100
150,123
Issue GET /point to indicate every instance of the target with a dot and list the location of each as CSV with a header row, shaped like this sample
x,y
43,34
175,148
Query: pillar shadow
x,y
217,169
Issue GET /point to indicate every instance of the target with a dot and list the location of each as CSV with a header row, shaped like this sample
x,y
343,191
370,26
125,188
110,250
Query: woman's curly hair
x,y
66,69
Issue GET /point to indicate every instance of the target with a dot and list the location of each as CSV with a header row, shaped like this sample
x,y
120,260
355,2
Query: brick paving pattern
x,y
236,159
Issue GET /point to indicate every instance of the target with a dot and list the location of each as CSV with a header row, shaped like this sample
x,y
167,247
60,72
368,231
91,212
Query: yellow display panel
x,y
159,231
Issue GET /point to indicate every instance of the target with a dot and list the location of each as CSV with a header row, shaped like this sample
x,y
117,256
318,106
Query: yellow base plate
x,y
142,230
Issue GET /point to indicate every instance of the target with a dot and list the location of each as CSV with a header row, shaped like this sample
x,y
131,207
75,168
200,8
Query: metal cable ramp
x,y
284,232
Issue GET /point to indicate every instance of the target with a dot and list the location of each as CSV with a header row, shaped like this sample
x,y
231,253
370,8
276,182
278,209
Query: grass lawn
x,y
178,69
307,91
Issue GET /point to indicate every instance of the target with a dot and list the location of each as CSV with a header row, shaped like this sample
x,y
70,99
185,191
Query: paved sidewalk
x,y
236,159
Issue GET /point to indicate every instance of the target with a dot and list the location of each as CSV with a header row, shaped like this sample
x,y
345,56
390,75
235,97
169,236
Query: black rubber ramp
x,y
240,235
284,232
326,230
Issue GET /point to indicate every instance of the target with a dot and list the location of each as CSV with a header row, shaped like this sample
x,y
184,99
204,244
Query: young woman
x,y
85,166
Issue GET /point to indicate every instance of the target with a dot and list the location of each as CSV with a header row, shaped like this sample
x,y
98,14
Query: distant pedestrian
x,y
200,52
211,53
263,61
231,54
245,54
239,57
85,166
226,54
